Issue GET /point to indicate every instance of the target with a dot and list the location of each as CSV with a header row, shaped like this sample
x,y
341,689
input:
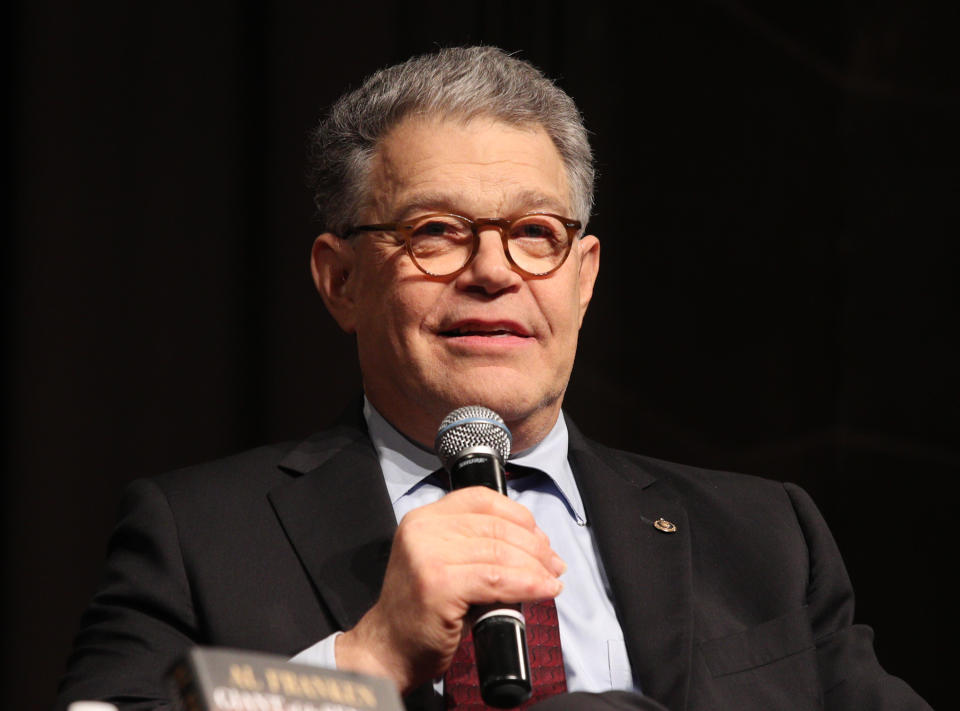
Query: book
x,y
218,679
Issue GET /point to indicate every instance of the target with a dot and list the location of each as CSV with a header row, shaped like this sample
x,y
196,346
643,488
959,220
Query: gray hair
x,y
457,82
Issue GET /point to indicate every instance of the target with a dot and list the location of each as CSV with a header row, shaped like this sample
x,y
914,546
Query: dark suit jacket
x,y
746,606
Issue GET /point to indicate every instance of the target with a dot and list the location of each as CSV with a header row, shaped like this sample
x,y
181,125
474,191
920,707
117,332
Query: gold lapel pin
x,y
661,524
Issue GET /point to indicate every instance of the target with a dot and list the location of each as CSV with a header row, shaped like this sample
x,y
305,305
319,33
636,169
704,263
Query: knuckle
x,y
413,528
486,499
542,549
412,515
498,529
532,587
492,577
414,518
497,552
528,520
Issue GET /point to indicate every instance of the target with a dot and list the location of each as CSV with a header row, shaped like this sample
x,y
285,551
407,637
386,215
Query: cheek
x,y
562,310
394,316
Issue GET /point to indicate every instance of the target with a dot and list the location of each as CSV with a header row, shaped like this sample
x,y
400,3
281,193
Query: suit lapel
x,y
338,518
649,571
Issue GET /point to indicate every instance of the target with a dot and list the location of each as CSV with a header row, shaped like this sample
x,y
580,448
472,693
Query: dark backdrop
x,y
778,210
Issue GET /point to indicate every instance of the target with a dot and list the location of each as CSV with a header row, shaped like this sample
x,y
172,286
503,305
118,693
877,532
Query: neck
x,y
530,431
420,426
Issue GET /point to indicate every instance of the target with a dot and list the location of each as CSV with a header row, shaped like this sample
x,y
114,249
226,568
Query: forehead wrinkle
x,y
527,200
391,173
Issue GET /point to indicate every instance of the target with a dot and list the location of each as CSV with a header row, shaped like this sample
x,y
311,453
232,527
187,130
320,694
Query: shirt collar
x,y
406,465
549,455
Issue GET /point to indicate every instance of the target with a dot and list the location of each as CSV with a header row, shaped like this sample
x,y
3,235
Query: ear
x,y
589,248
332,263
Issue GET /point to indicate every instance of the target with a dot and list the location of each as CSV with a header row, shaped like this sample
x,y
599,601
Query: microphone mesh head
x,y
472,426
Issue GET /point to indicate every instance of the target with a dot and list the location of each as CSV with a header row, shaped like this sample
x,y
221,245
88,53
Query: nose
x,y
490,271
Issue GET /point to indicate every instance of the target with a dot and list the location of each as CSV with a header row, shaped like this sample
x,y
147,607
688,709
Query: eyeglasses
x,y
443,245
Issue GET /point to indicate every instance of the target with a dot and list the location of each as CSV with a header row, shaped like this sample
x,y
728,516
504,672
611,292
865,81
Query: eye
x,y
538,227
532,229
434,228
440,237
439,226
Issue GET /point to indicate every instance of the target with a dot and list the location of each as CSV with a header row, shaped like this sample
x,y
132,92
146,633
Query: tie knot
x,y
517,471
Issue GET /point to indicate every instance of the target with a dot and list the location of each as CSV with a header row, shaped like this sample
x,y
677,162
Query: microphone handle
x,y
478,468
499,630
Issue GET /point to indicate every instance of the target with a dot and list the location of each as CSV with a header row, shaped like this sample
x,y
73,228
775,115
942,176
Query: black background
x,y
778,294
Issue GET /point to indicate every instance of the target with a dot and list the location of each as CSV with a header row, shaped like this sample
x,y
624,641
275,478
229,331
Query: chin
x,y
511,395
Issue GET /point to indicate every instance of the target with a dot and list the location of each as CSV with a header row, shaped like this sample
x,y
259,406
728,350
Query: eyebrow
x,y
525,200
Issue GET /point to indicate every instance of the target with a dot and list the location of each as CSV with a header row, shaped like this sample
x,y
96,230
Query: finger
x,y
499,541
480,499
444,560
481,584
494,552
451,536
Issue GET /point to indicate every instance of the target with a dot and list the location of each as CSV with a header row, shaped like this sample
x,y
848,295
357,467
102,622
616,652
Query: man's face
x,y
486,336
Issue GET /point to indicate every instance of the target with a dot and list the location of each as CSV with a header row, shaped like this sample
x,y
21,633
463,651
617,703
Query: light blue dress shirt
x,y
594,653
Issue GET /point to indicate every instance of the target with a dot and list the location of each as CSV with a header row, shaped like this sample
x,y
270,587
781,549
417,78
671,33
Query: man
x,y
454,191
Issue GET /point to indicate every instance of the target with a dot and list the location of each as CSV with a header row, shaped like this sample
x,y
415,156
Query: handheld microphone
x,y
473,443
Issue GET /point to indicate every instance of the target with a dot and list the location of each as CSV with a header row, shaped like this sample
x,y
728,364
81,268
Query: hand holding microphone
x,y
472,547
473,443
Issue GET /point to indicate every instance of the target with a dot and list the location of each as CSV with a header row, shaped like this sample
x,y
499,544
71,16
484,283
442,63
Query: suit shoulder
x,y
680,473
700,485
260,463
257,470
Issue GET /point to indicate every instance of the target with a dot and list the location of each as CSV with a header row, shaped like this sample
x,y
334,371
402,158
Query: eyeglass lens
x,y
442,244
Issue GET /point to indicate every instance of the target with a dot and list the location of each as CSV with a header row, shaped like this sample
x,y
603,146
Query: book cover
x,y
217,679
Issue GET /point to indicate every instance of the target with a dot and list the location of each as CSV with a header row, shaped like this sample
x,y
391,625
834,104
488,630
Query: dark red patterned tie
x,y
462,688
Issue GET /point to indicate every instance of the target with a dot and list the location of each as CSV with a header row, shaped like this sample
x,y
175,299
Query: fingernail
x,y
558,565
